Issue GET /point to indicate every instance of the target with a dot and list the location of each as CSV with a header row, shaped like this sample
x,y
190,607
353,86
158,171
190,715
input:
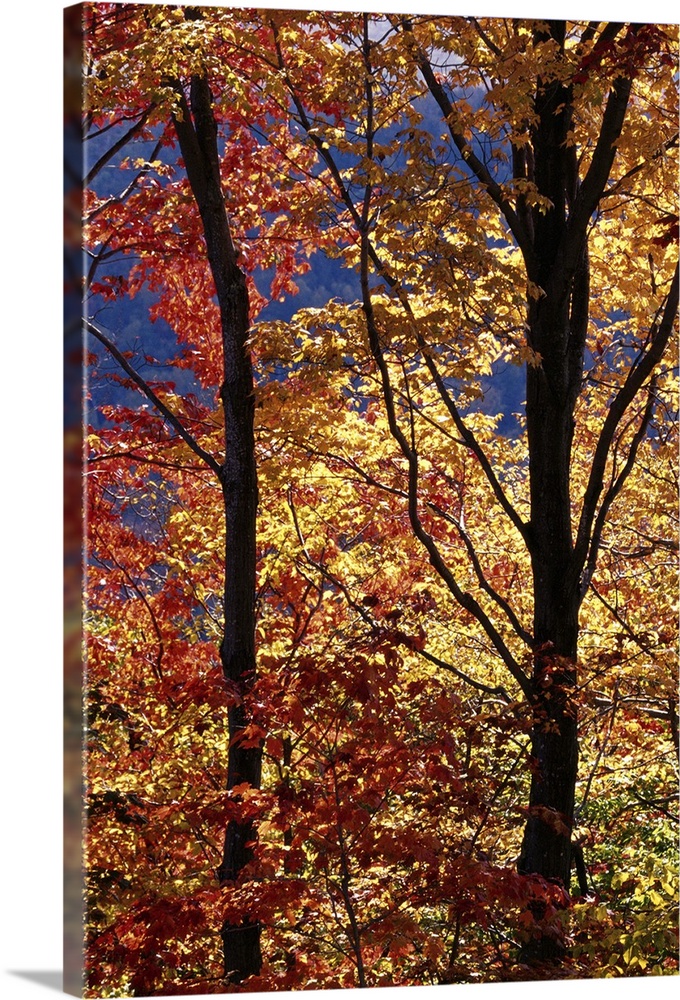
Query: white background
x,y
30,490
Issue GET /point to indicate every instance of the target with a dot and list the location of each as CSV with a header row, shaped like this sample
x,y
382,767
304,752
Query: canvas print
x,y
379,505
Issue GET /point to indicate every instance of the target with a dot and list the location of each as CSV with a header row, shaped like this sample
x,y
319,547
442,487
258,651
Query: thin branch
x,y
323,570
614,189
117,146
614,490
410,453
465,599
457,523
135,457
146,389
660,334
651,804
157,667
614,612
525,636
373,625
670,544
361,224
488,805
600,753
321,147
470,159
486,688
124,195
473,444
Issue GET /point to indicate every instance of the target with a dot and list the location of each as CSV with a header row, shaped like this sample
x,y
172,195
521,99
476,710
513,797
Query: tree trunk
x,y
552,234
546,848
197,133
558,311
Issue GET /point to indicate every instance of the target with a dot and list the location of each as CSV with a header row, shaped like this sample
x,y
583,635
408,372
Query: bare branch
x,y
134,456
124,195
465,677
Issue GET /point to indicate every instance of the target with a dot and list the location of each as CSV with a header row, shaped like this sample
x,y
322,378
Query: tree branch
x,y
522,633
134,456
374,626
367,251
660,335
614,490
500,690
127,191
474,164
360,221
465,599
669,144
473,444
146,389
117,146
593,184
157,666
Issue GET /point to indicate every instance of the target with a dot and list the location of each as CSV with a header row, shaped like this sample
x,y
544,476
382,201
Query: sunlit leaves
x,y
395,742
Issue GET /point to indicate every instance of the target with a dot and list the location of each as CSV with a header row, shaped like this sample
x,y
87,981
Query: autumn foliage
x,y
403,198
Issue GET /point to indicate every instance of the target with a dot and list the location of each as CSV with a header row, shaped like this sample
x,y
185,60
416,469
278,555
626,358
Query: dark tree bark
x,y
552,389
554,244
557,320
197,134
